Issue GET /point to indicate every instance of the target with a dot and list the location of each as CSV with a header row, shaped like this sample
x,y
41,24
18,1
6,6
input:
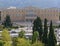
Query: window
x,y
29,10
30,15
29,20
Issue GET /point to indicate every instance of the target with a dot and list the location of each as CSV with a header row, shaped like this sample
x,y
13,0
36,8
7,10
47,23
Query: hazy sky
x,y
36,3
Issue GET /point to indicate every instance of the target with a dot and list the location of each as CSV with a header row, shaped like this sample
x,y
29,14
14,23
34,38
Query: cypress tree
x,y
7,22
51,36
45,32
37,26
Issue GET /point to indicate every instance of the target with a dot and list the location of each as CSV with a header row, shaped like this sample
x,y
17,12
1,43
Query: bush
x,y
22,42
37,44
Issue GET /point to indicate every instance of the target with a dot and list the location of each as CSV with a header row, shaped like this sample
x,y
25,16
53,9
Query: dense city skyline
x,y
35,3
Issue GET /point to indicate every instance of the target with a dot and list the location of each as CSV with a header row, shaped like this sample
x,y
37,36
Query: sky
x,y
34,3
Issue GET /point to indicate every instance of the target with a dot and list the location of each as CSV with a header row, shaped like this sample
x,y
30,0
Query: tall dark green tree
x,y
45,33
51,36
37,26
7,22
0,15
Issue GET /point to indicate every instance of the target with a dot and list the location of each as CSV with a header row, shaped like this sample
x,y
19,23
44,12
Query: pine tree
x,y
51,36
7,22
37,26
45,32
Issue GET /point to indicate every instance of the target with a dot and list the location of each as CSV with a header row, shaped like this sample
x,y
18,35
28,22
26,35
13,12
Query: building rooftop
x,y
11,7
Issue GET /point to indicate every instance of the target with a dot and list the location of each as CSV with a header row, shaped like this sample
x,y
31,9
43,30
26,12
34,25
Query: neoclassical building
x,y
28,14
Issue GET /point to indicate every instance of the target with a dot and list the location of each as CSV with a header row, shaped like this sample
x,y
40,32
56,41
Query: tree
x,y
59,44
0,15
22,34
37,26
35,37
59,26
7,22
6,37
1,27
1,43
51,36
45,33
7,43
38,44
14,40
22,42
